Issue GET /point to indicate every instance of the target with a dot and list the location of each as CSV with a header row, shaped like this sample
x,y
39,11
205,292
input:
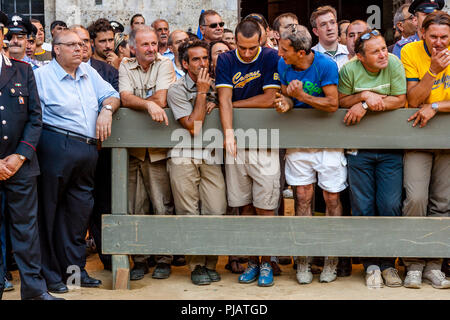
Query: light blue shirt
x,y
179,73
72,104
168,54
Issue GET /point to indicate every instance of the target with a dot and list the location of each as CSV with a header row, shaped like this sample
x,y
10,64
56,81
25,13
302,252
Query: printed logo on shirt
x,y
311,88
240,81
444,80
276,76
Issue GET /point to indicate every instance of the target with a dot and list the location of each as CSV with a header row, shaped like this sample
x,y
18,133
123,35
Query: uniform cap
x,y
426,6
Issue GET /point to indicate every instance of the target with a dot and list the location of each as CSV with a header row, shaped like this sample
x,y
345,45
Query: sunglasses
x,y
214,25
368,35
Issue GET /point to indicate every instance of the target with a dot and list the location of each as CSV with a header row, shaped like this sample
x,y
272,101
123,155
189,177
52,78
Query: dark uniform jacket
x,y
20,114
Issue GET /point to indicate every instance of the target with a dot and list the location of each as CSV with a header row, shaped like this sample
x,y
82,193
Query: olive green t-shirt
x,y
391,81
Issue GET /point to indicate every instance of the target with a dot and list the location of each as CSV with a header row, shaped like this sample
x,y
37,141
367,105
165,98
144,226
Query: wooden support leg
x,y
121,272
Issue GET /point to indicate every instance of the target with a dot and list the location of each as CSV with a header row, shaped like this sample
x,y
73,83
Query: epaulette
x,y
18,60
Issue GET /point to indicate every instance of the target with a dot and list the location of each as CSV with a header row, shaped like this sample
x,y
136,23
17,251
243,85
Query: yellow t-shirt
x,y
416,59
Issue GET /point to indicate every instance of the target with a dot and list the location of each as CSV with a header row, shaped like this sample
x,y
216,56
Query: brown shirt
x,y
133,79
43,56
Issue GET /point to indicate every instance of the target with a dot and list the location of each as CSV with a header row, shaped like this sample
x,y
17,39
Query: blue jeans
x,y
376,179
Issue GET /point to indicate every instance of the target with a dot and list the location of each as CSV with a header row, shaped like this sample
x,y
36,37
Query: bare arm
x,y
264,100
160,98
329,103
226,118
155,110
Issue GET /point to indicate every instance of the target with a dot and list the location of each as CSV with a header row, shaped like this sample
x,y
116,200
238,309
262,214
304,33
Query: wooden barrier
x,y
124,234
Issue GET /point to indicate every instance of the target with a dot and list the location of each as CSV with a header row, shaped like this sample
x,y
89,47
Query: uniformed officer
x,y
20,129
19,30
419,8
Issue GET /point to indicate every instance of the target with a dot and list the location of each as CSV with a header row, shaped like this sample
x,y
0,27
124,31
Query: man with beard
x,y
161,27
102,39
40,53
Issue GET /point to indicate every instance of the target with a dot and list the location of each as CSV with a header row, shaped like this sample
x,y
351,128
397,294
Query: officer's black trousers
x,y
22,207
66,200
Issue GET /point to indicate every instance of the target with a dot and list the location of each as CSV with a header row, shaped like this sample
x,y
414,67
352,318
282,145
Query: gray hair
x,y
300,38
398,17
134,32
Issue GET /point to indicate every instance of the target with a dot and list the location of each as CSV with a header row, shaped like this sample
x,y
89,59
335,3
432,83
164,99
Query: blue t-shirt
x,y
248,79
321,73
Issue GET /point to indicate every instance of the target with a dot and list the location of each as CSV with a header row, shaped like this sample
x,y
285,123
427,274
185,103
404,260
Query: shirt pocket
x,y
19,98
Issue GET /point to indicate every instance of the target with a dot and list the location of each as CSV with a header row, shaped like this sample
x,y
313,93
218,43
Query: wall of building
x,y
181,14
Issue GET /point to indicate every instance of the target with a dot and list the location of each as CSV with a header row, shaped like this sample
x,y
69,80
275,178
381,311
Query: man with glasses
x,y
324,23
420,9
282,23
406,24
77,113
211,25
374,82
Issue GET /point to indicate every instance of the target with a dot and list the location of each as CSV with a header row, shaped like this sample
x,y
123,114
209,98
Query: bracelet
x,y
431,73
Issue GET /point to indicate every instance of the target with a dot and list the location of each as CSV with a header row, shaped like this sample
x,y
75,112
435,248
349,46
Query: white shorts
x,y
329,164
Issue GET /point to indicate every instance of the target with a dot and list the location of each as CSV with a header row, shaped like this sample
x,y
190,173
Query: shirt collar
x,y
61,73
190,84
254,59
341,49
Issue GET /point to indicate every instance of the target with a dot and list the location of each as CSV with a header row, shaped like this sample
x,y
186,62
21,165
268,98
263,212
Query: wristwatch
x,y
364,105
108,107
435,106
21,157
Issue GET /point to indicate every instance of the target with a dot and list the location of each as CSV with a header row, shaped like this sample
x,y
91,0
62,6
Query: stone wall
x,y
181,14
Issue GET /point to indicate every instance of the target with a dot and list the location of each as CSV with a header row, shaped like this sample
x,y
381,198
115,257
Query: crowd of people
x,y
57,105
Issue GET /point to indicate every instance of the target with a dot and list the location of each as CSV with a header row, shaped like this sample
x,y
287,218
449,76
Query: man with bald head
x,y
77,107
176,38
143,84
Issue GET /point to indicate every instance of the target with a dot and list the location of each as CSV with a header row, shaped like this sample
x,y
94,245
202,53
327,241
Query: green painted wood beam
x,y
297,128
277,236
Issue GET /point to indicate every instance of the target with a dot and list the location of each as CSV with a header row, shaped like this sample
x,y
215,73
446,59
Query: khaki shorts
x,y
254,178
197,187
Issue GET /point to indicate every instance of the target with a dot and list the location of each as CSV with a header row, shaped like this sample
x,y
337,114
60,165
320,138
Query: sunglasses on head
x,y
214,25
368,35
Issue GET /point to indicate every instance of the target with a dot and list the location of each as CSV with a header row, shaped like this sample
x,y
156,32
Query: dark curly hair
x,y
183,54
101,25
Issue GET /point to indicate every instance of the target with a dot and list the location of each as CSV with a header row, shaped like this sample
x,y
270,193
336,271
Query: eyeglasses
x,y
368,35
214,25
72,45
409,18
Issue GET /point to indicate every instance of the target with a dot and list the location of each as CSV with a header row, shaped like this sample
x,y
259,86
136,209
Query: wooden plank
x,y
306,128
120,263
122,279
278,236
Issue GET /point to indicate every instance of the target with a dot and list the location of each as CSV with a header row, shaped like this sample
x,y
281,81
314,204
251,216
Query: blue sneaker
x,y
265,275
8,286
250,274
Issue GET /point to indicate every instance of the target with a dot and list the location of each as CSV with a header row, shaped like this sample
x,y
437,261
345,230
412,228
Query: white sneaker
x,y
413,279
304,274
437,279
329,272
374,279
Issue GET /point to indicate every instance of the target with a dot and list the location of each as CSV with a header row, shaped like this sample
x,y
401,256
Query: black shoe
x,y
88,282
139,270
45,296
162,271
200,276
446,267
344,267
58,287
213,275
179,261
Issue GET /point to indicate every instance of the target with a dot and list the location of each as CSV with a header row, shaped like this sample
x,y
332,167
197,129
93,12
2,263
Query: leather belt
x,y
71,134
